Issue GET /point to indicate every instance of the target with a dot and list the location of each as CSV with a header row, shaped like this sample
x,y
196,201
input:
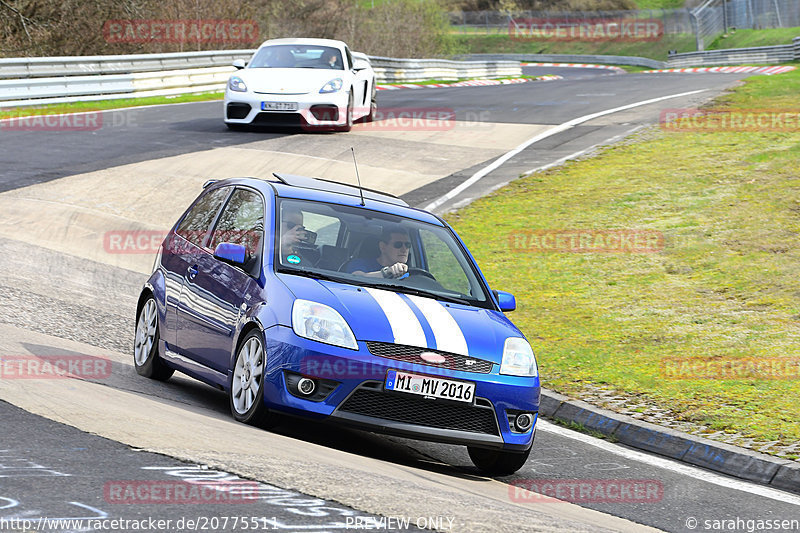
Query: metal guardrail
x,y
738,56
32,81
393,70
39,67
569,58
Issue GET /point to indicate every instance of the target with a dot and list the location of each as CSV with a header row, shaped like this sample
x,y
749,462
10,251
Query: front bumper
x,y
312,109
358,397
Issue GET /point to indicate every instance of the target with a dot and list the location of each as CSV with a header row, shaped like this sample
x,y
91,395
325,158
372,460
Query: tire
x,y
145,344
373,105
246,391
348,123
497,462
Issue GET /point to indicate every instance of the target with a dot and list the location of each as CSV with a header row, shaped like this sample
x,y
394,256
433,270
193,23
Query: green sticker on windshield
x,y
293,259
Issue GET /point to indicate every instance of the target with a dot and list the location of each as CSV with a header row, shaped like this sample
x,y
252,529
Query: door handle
x,y
191,272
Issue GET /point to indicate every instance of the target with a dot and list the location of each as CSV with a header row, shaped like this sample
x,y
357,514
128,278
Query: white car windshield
x,y
298,56
353,245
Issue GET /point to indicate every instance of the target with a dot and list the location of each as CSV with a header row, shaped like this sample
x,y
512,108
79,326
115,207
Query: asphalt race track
x,y
65,444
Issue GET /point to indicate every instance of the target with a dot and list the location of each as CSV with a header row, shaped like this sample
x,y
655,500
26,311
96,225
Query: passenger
x,y
395,245
293,234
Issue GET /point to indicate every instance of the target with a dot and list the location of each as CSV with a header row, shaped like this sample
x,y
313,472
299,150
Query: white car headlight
x,y
518,358
332,86
322,323
235,83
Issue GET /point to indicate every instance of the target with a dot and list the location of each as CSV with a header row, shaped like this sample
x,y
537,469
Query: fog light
x,y
306,386
523,422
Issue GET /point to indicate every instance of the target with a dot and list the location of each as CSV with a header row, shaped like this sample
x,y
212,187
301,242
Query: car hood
x,y
393,317
288,80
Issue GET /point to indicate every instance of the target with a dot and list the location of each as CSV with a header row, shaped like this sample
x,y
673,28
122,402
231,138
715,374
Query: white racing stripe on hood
x,y
405,326
449,337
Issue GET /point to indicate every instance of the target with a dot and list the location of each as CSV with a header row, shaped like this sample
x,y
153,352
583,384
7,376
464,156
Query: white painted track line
x,y
497,163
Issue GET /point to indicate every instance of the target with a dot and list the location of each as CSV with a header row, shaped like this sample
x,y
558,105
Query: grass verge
x,y
723,288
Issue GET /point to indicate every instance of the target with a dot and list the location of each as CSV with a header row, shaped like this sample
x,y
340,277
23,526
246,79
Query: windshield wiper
x,y
416,292
386,286
314,274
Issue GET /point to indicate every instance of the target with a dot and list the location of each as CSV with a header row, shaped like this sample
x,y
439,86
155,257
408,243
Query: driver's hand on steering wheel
x,y
394,271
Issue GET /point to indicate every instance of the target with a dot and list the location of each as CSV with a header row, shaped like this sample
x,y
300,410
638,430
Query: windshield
x,y
373,249
298,56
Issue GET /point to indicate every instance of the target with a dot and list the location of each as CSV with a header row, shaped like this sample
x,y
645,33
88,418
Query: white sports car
x,y
313,83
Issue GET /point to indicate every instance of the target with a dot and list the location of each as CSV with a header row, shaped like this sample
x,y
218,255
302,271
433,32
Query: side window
x,y
241,222
195,224
442,263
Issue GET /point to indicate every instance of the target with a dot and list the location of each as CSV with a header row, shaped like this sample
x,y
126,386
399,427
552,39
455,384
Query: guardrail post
x,y
697,38
796,42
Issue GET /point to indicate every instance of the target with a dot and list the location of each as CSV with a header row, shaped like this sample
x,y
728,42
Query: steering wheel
x,y
413,271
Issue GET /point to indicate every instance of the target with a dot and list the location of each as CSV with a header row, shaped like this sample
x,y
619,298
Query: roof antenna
x,y
361,192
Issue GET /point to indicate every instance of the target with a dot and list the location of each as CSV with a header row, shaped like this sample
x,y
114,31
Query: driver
x,y
332,60
394,246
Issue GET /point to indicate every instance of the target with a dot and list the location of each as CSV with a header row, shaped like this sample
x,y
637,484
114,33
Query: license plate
x,y
446,389
278,106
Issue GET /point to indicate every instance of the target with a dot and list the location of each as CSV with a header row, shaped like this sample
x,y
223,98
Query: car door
x,y
361,86
180,250
217,294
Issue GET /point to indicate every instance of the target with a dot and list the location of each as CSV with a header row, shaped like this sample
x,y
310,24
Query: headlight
x,y
518,358
321,323
237,84
332,86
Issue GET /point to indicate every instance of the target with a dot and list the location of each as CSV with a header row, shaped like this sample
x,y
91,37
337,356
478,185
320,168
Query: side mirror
x,y
505,301
235,254
360,64
239,63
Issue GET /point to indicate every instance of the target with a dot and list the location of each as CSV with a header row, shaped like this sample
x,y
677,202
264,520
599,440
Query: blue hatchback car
x,y
316,299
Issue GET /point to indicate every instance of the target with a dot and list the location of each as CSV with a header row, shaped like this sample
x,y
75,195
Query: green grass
x,y
78,107
660,4
477,43
747,38
503,44
725,285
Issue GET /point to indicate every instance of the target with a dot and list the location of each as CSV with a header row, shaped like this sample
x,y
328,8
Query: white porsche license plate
x,y
446,389
278,106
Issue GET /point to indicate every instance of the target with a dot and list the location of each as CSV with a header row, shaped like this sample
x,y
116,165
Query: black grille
x,y
279,119
420,412
238,110
410,354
